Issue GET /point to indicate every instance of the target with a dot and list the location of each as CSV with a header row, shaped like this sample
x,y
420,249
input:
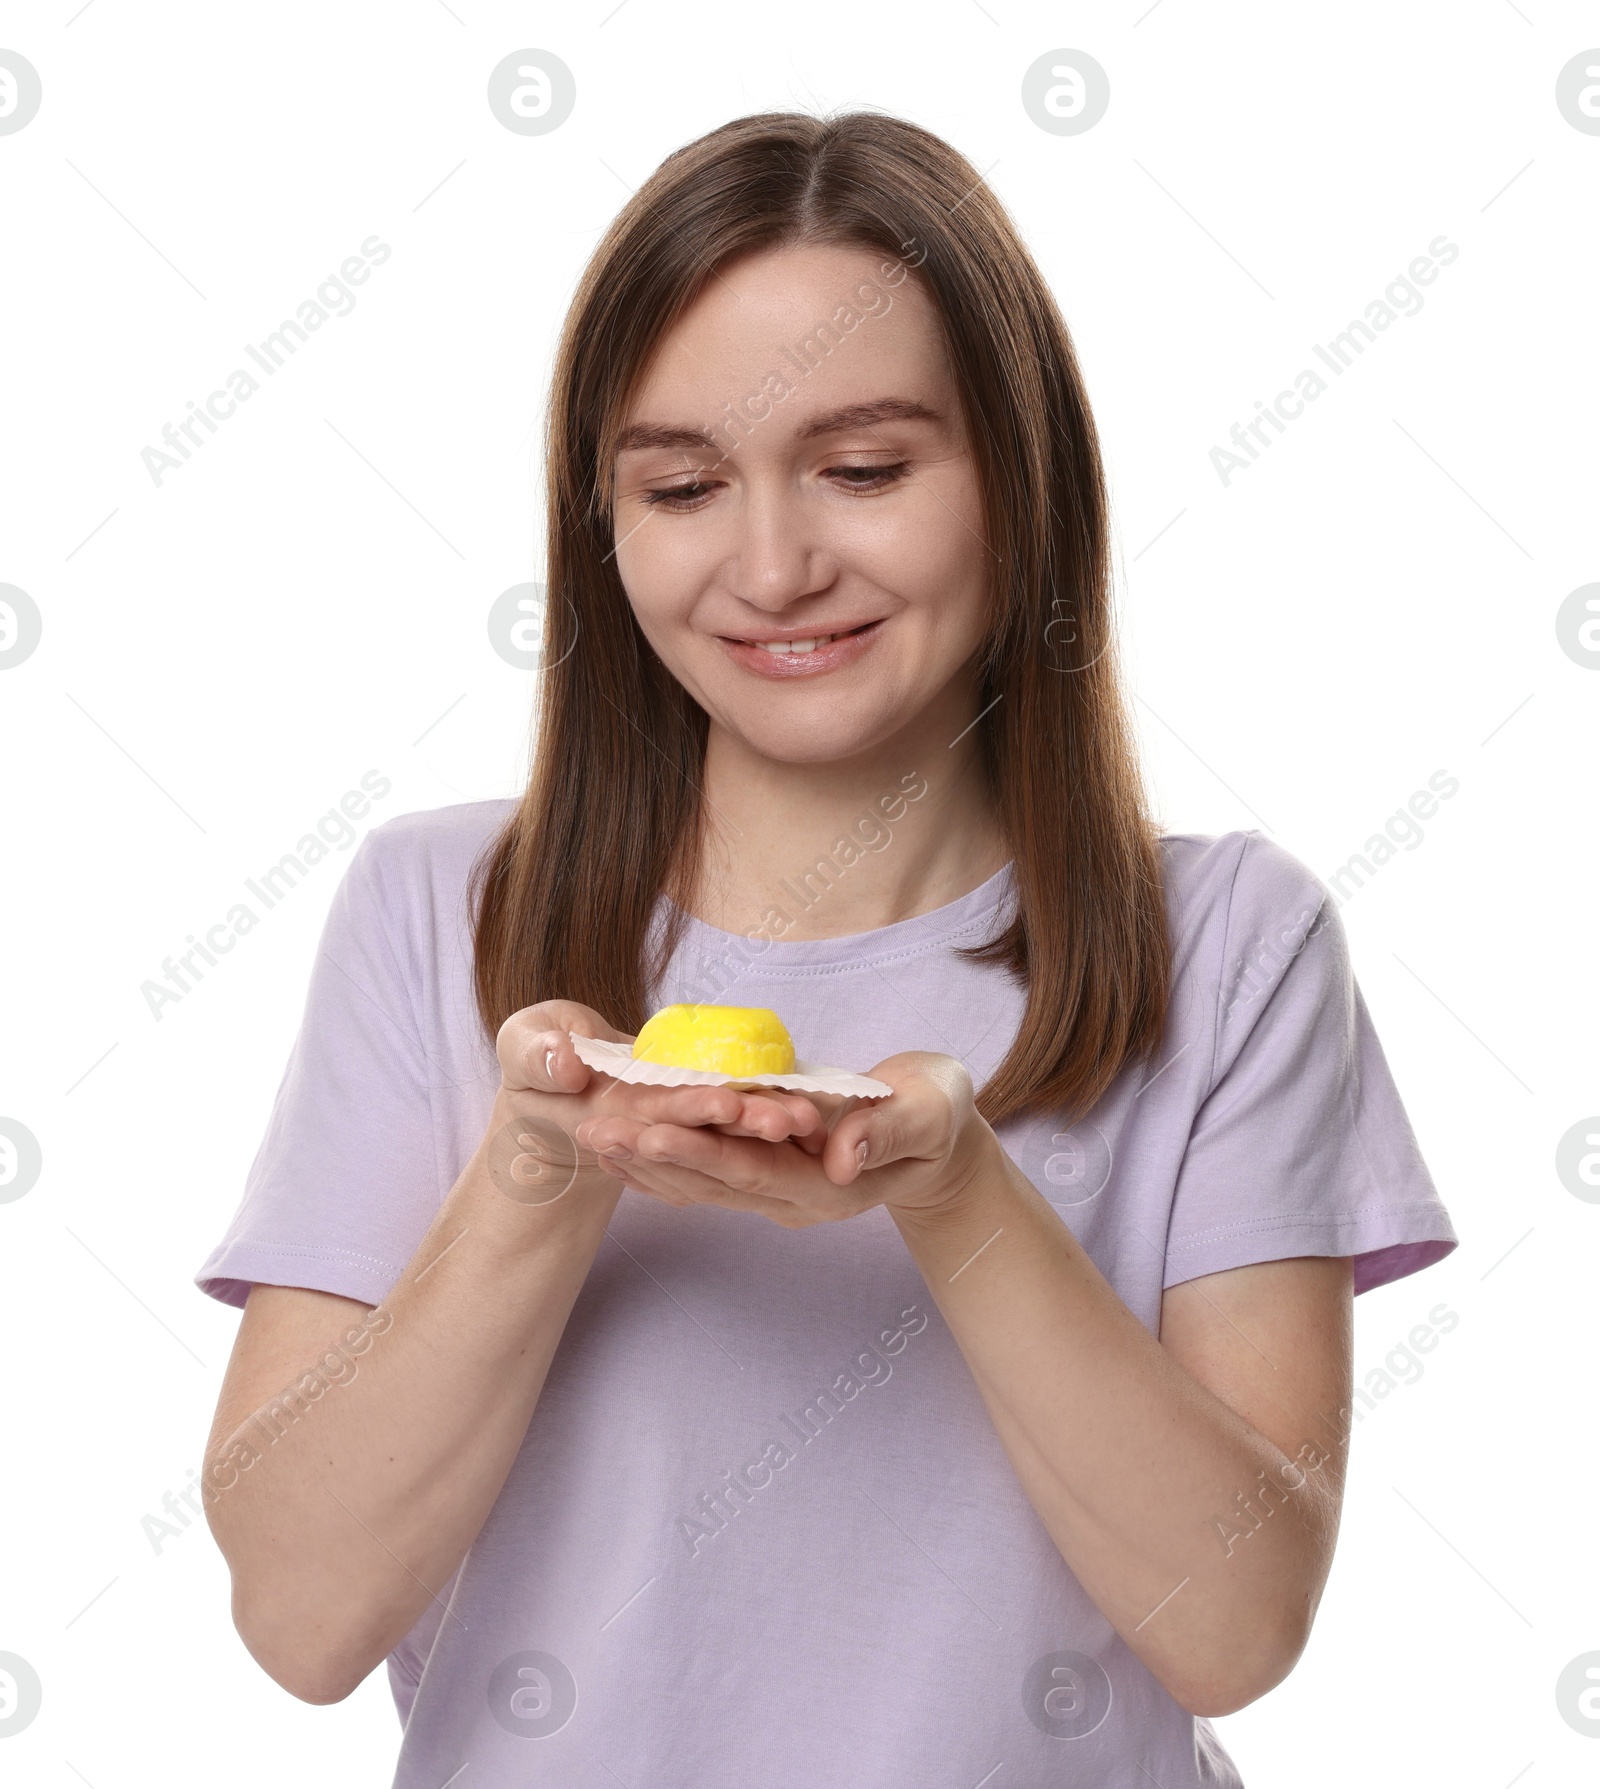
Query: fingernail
x,y
862,1153
617,1152
549,1065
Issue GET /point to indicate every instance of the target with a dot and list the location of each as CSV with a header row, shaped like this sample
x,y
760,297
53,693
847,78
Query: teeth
x,y
786,646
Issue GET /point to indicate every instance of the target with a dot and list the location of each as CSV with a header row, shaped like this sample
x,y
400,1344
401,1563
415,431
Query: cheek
x,y
663,574
938,566
650,569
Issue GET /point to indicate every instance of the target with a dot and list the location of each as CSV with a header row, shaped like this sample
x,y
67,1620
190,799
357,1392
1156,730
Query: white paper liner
x,y
618,1061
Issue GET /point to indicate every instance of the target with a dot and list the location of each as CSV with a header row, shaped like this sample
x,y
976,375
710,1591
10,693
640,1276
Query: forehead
x,y
834,323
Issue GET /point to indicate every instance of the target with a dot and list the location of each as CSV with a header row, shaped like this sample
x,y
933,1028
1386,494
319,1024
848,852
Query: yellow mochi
x,y
728,1040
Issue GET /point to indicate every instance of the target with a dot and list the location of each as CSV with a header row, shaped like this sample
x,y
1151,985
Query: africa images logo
x,y
867,1366
333,298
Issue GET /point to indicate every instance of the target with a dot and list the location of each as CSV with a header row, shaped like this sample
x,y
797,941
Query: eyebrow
x,y
641,435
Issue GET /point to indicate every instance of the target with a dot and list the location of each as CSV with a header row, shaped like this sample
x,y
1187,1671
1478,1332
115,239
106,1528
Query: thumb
x,y
535,1046
915,1122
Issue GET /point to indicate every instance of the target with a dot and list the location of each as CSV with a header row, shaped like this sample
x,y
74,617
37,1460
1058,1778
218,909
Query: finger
x,y
741,1164
917,1121
776,1115
646,1183
813,1142
612,1138
543,1062
534,1046
674,1185
642,1147
616,1136
676,1105
874,1137
767,1114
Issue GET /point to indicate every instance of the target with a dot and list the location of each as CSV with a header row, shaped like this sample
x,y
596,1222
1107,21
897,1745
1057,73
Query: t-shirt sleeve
x,y
345,1181
1301,1145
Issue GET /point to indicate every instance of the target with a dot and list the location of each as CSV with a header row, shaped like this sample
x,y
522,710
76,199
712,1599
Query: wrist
x,y
530,1169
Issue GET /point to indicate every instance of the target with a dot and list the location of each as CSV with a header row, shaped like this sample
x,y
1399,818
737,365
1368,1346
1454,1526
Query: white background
x,y
224,655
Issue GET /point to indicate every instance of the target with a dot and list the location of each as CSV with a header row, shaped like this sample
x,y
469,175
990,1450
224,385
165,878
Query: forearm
x,y
1129,1462
344,1512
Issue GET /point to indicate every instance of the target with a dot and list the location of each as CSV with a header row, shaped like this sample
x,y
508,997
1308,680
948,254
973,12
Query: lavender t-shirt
x,y
761,1530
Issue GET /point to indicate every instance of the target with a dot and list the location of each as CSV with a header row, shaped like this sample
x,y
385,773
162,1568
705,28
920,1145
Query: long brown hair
x,y
612,817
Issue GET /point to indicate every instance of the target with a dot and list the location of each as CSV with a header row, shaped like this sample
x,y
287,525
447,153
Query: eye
x,y
679,497
869,478
693,493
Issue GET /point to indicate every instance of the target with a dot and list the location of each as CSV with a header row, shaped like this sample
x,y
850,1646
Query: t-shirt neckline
x,y
920,932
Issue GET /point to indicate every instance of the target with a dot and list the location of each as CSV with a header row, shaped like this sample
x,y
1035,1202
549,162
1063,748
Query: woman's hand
x,y
547,1093
913,1152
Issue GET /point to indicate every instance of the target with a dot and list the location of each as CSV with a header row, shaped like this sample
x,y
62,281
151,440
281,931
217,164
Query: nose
x,y
777,557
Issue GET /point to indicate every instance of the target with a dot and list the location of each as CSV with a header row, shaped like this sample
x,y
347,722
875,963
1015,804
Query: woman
x,y
687,1436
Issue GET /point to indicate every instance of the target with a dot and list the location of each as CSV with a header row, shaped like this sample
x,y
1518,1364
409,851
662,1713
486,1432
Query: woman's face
x,y
794,473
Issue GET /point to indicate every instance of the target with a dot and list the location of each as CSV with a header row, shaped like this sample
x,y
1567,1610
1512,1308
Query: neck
x,y
850,845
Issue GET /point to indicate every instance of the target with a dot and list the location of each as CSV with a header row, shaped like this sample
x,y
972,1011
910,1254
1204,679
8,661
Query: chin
x,y
825,738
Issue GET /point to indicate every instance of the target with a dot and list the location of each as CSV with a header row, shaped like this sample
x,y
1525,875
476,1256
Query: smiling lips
x,y
795,645
808,656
